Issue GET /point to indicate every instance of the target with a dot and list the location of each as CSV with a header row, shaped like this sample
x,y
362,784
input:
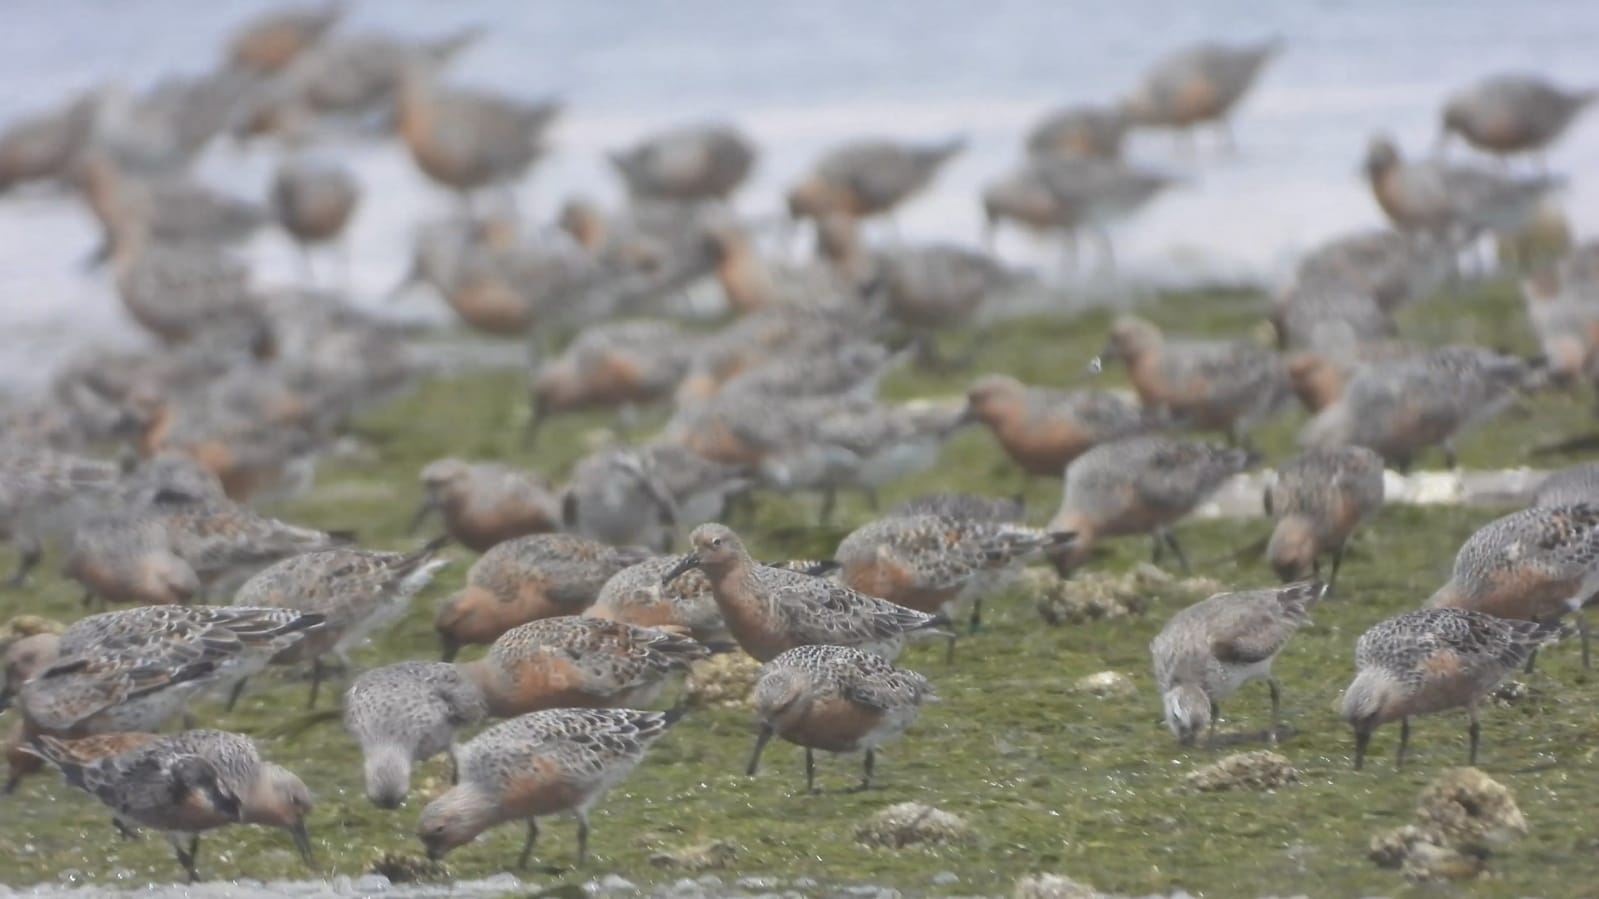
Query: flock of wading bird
x,y
584,612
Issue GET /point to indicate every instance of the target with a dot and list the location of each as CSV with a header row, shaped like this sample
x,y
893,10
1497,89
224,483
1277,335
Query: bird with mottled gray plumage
x,y
191,782
525,579
553,762
1078,131
1564,314
1043,429
484,504
934,563
1538,564
624,363
1212,385
1139,485
1093,194
1197,84
1450,204
1317,500
270,41
1400,406
869,177
314,201
1380,263
1213,647
835,699
1512,113
406,713
359,591
1330,314
688,164
45,493
637,595
572,661
43,145
1432,660
965,507
771,610
1569,486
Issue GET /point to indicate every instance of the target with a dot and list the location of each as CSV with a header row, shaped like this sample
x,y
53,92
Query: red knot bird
x,y
1319,375
1196,85
43,494
770,610
934,563
314,201
687,164
573,661
639,596
1043,429
357,591
646,495
560,761
406,713
1317,500
1211,648
468,140
1329,314
1512,113
1381,263
183,294
1432,660
1078,131
270,41
869,177
1564,314
1569,486
45,145
1139,485
633,362
1402,406
835,699
168,210
525,579
1538,564
486,503
188,783
1066,195
751,282
1213,385
1450,204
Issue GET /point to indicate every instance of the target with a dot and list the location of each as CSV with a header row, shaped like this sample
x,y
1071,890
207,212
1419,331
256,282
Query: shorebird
x,y
1569,486
1089,194
525,579
1078,131
1226,386
314,201
1043,429
572,661
1564,314
406,713
486,503
1197,84
1451,205
1316,502
836,699
638,596
269,42
357,591
44,493
1512,113
45,145
161,210
688,164
560,761
1382,264
630,362
1432,660
934,563
188,783
1211,648
771,610
1139,485
869,177
1329,314
1538,564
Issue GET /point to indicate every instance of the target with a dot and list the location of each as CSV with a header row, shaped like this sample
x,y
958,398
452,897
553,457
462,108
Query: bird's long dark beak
x,y
435,853
302,843
449,647
692,560
422,512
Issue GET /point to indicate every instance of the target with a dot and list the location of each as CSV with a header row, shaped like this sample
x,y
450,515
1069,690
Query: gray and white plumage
x,y
1211,648
1196,83
1538,564
1513,112
406,713
687,164
1569,486
1451,202
1316,502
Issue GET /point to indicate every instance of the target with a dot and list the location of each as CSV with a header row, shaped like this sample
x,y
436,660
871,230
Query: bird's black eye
x,y
717,542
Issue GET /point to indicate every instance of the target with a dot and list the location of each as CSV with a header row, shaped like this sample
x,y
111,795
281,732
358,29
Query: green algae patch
x,y
1048,777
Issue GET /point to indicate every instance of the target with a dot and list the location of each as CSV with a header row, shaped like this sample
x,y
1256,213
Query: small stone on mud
x,y
1258,770
401,868
705,857
1106,684
1052,886
910,823
722,681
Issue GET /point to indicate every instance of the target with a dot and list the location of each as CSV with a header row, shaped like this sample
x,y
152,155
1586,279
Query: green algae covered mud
x,y
1048,743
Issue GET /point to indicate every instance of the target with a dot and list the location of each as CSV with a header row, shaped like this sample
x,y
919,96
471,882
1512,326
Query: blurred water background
x,y
801,77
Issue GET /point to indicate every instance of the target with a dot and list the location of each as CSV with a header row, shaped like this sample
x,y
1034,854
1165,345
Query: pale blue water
x,y
800,77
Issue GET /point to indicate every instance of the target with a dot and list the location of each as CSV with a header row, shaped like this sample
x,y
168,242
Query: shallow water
x,y
800,77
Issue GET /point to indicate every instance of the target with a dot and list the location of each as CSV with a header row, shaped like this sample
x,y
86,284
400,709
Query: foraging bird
x,y
1512,113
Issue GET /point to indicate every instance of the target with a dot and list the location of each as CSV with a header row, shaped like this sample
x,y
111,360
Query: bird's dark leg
x,y
1337,563
1474,731
1404,743
810,770
866,769
1531,658
235,693
1582,631
28,554
527,844
316,681
1159,549
1362,740
455,767
829,499
1177,550
582,838
761,739
1276,709
976,621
